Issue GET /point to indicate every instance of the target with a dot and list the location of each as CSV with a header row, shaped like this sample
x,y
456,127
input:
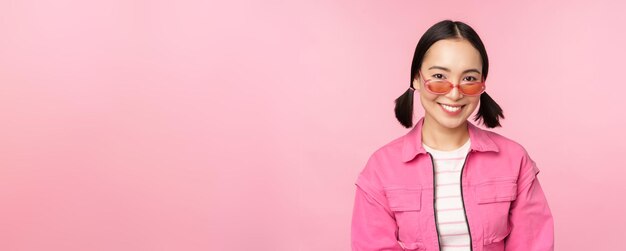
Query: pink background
x,y
242,125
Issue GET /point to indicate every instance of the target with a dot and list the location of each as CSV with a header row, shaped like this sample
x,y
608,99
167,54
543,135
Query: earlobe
x,y
416,85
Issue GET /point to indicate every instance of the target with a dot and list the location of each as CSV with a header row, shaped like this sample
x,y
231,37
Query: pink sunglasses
x,y
440,86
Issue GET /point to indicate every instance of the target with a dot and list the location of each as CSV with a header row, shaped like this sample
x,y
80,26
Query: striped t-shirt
x,y
453,232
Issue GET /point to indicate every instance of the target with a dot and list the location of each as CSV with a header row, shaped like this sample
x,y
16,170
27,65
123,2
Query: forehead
x,y
454,54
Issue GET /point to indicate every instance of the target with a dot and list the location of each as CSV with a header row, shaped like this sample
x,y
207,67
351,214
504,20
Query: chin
x,y
453,124
450,122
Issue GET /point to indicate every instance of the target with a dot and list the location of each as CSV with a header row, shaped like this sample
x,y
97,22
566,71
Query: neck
x,y
442,138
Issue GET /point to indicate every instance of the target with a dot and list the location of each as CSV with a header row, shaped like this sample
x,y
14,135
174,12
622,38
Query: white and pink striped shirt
x,y
453,233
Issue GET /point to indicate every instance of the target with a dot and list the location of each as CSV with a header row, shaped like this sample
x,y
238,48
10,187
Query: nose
x,y
455,93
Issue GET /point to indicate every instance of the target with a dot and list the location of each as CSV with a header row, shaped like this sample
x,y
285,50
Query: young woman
x,y
448,184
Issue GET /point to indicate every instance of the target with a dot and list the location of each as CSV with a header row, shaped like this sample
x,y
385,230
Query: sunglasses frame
x,y
427,85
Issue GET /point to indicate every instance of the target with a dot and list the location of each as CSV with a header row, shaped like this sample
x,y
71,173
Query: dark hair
x,y
489,111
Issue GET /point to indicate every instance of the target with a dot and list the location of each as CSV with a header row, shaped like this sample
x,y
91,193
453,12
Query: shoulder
x,y
514,152
512,157
518,156
390,150
383,156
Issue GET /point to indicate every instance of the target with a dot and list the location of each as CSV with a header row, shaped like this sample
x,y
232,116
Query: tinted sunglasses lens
x,y
471,88
439,87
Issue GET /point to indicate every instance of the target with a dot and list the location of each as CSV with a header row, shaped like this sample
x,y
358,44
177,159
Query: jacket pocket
x,y
404,198
494,200
406,204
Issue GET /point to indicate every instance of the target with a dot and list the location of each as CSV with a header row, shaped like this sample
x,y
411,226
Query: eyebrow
x,y
448,70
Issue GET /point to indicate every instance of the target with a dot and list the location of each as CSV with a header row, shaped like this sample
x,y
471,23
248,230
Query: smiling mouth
x,y
450,108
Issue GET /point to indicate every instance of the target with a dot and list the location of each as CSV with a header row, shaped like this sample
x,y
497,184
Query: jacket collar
x,y
412,145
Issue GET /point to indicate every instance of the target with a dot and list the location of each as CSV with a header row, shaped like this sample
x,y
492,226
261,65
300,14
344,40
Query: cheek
x,y
425,96
428,103
474,103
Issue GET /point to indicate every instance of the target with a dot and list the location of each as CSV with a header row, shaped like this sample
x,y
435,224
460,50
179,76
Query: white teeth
x,y
451,108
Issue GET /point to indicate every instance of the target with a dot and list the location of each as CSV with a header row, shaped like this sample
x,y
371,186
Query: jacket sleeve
x,y
373,225
532,225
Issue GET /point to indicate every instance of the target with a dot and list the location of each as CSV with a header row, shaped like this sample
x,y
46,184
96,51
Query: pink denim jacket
x,y
504,204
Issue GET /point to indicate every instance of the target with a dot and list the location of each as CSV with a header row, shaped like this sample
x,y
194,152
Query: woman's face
x,y
457,61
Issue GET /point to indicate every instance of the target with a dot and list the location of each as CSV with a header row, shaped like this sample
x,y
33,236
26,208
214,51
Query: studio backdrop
x,y
242,125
